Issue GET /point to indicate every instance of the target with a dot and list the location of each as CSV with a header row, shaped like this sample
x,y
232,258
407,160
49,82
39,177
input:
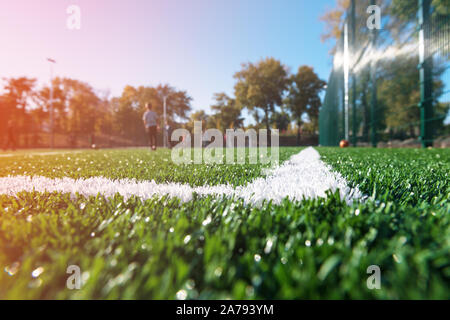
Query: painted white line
x,y
7,155
303,176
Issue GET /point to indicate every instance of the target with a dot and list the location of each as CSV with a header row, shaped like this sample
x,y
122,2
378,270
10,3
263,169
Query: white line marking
x,y
7,155
304,175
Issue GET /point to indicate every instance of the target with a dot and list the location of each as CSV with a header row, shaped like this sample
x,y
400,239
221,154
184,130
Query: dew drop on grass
x,y
403,240
256,280
85,276
12,269
187,239
36,283
181,295
396,258
268,247
190,284
37,272
218,272
206,221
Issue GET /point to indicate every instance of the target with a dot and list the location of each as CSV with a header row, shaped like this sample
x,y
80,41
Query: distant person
x,y
10,137
150,122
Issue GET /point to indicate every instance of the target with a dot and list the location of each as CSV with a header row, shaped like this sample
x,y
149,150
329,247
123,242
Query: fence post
x,y
353,77
373,102
426,77
344,103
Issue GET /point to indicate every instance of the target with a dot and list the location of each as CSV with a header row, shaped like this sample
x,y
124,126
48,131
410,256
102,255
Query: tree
x,y
400,92
79,109
281,120
397,14
333,20
83,106
105,122
406,10
200,116
128,114
60,104
304,96
261,86
227,114
19,93
178,102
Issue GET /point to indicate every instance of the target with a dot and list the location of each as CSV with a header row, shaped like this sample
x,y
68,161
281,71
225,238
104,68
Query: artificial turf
x,y
140,164
215,247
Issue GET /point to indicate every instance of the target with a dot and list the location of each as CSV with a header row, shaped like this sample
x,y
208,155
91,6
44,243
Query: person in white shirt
x,y
150,119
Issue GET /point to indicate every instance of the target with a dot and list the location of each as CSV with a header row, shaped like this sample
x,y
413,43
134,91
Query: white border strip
x,y
31,154
304,176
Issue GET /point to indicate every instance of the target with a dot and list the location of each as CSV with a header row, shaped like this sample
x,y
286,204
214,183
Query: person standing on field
x,y
150,119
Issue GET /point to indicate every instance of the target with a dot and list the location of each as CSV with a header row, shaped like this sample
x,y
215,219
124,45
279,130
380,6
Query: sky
x,y
193,45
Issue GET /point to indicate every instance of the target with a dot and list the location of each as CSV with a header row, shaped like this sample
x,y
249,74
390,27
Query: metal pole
x,y
353,46
426,77
373,103
52,126
346,74
342,88
164,125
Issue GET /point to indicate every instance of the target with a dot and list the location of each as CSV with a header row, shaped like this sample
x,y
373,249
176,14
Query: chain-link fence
x,y
390,83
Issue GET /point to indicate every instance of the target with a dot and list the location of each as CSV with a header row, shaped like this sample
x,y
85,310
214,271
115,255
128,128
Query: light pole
x,y
52,126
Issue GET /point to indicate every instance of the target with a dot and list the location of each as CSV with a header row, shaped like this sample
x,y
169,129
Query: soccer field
x,y
226,231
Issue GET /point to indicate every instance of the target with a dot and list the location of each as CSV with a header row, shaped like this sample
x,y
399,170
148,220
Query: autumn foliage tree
x,y
80,111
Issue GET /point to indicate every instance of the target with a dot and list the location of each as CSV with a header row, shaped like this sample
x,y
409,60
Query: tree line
x,y
272,95
266,89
